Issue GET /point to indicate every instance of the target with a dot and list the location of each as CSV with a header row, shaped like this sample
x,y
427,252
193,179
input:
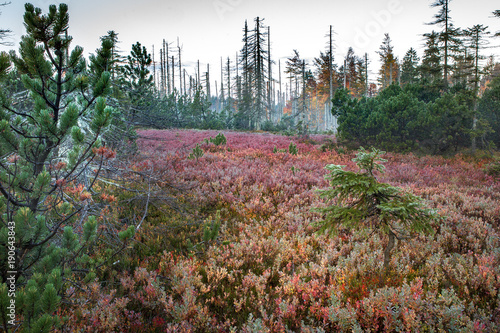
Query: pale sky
x,y
209,29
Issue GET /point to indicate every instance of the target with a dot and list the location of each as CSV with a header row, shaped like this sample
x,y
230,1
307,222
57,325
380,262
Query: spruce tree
x,y
357,66
476,37
448,36
112,36
254,62
431,67
463,63
136,70
354,73
102,61
245,102
258,61
50,157
360,200
488,107
107,59
409,68
389,71
322,69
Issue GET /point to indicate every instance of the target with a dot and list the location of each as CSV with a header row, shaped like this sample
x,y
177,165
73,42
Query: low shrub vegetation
x,y
249,256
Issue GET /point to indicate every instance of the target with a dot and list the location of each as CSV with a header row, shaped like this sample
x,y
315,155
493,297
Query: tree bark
x,y
388,249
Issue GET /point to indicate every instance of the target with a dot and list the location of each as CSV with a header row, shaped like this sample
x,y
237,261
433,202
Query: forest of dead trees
x,y
257,90
251,89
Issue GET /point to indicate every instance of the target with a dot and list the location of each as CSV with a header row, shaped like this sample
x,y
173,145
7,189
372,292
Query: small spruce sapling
x,y
360,200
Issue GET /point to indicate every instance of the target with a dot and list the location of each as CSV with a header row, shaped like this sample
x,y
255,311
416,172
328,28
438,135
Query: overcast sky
x,y
209,29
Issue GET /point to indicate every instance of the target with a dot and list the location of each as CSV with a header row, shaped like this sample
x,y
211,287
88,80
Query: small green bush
x,y
196,153
292,149
219,140
493,168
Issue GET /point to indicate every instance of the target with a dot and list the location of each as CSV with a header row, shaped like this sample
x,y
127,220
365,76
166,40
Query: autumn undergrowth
x,y
239,251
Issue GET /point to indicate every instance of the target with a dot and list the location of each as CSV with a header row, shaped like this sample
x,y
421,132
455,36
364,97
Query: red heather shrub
x,y
269,270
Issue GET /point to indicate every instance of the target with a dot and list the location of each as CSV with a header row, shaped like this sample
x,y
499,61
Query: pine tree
x,y
139,82
362,201
136,70
121,134
115,59
103,60
47,155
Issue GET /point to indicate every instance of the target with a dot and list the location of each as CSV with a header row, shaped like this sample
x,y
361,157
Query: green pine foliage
x,y
449,120
423,112
197,114
276,150
219,140
211,229
359,200
136,70
120,136
406,119
49,163
138,82
196,153
292,149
